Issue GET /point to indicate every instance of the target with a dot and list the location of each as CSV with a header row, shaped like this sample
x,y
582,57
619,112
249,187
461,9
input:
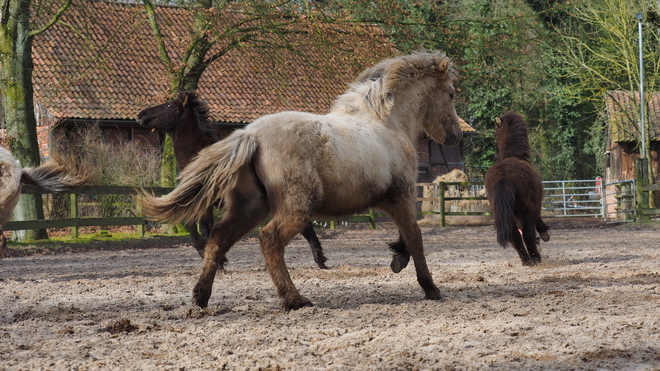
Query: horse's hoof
x,y
545,236
433,294
322,265
532,262
201,296
221,265
296,303
399,262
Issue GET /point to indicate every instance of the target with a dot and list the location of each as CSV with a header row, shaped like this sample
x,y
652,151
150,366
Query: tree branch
x,y
53,20
160,42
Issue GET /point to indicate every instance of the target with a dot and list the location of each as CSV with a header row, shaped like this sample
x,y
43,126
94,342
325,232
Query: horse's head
x,y
440,119
166,116
414,90
511,137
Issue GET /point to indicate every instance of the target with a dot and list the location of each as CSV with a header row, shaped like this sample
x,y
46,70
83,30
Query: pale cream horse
x,y
294,166
56,175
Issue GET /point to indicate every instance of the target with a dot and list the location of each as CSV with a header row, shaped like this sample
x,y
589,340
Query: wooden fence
x,y
645,191
75,221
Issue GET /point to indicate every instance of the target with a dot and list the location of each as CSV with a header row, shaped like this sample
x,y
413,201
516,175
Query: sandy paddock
x,y
594,304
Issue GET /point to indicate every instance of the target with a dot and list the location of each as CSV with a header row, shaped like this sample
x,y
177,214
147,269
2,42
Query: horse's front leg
x,y
273,238
198,242
314,243
410,236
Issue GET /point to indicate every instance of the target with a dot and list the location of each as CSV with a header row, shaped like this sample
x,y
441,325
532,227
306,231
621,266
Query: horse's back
x,y
521,175
339,158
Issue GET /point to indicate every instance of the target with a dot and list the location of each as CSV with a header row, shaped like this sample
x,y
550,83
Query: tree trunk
x,y
18,102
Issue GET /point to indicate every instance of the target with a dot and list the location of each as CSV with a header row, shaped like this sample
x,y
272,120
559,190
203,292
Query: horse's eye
x,y
169,106
451,95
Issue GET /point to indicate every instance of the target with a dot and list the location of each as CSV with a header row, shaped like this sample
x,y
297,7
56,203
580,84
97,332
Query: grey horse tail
x,y
204,182
56,175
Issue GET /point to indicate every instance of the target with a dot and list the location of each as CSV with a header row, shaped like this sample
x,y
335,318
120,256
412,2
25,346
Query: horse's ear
x,y
443,67
184,98
498,121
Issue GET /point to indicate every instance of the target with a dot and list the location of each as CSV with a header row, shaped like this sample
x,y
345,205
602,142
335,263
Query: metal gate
x,y
614,202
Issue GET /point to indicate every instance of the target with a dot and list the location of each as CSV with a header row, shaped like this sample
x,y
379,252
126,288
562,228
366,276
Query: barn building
x,y
622,146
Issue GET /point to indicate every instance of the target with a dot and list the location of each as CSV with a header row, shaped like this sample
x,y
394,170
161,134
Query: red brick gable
x,y
108,67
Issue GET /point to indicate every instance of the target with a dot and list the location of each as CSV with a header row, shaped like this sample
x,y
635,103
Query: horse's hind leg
x,y
542,228
315,245
529,237
401,255
410,237
3,244
273,238
246,207
223,236
517,242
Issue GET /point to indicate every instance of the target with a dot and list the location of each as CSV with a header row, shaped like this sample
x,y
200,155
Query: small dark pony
x,y
187,119
515,190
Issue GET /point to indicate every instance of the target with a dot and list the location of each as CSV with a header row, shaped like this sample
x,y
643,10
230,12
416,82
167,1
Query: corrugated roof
x,y
623,116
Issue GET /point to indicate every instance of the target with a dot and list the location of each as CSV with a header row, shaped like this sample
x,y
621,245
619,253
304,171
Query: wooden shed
x,y
623,134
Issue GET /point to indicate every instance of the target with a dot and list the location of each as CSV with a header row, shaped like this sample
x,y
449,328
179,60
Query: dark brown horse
x,y
187,119
515,190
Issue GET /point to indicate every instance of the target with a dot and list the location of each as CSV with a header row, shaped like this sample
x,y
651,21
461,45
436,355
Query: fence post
x,y
603,202
641,173
74,213
140,227
372,218
441,196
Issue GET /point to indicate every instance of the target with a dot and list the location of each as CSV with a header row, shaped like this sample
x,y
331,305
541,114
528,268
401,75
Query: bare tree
x,y
16,35
217,28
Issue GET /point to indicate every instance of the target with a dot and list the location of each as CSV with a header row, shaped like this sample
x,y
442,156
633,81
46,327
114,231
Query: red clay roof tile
x,y
115,71
623,116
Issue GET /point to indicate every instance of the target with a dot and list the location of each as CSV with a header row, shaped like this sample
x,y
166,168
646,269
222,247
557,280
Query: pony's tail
x,y
503,199
203,182
59,174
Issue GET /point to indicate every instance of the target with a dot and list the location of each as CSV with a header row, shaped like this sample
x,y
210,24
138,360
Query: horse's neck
x,y
508,153
188,139
518,149
406,117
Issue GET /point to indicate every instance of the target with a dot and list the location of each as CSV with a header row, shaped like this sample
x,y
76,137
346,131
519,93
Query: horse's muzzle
x,y
453,139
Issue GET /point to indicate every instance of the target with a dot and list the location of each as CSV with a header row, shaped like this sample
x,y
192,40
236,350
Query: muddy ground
x,y
594,304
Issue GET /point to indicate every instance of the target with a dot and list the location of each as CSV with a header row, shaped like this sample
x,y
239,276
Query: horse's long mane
x,y
200,109
512,138
372,90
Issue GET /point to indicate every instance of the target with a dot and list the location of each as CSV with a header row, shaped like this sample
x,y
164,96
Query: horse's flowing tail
x,y
203,182
503,198
56,175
